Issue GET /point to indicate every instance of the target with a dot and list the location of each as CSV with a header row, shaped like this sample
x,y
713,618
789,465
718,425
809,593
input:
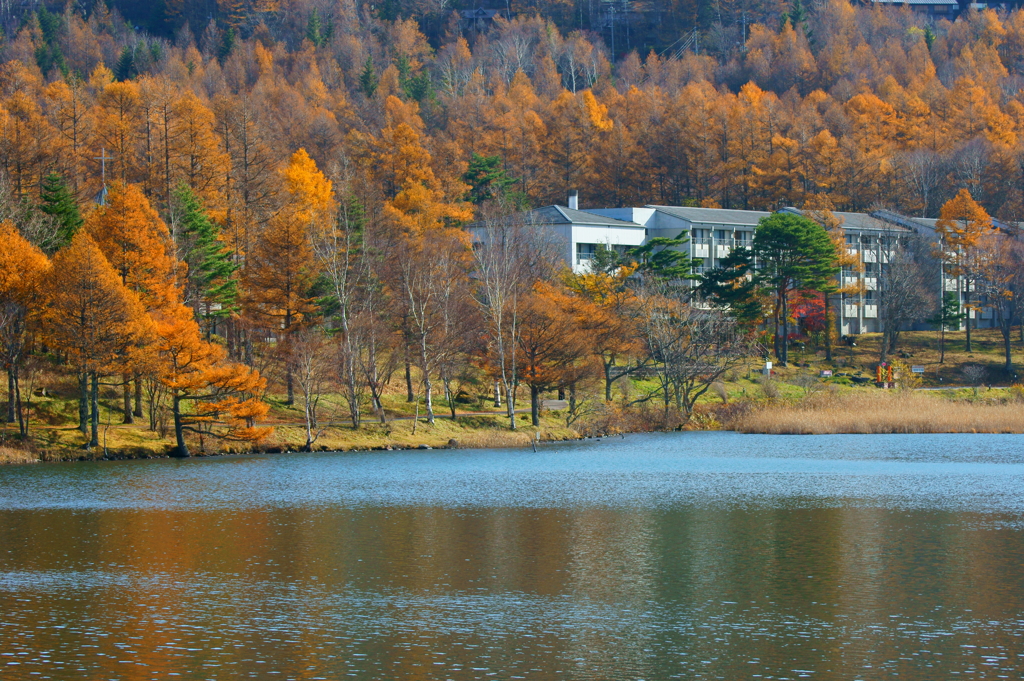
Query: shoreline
x,y
820,413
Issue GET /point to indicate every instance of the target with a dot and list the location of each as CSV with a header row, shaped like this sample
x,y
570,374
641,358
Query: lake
x,y
662,556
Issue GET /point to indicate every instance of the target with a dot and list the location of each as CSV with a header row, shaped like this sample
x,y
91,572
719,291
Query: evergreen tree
x,y
662,258
730,286
212,289
60,205
949,316
606,260
368,78
125,67
227,44
48,54
793,253
315,28
486,178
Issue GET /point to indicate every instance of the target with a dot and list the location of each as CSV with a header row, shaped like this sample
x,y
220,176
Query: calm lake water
x,y
689,556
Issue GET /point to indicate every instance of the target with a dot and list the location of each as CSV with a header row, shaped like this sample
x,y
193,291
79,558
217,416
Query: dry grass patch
x,y
881,412
11,455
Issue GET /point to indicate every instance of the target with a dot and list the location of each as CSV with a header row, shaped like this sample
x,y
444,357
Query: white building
x,y
714,232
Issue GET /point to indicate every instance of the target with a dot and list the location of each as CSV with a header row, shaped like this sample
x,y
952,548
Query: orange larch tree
x,y
22,269
93,320
962,224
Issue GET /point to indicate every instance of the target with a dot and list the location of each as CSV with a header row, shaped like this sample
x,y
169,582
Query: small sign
x,y
917,369
825,373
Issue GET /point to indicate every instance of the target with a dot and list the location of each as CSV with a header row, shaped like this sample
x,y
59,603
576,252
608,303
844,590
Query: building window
x,y
871,268
851,239
869,297
722,234
585,252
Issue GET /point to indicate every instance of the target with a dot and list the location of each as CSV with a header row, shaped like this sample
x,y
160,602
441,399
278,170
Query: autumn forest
x,y
236,199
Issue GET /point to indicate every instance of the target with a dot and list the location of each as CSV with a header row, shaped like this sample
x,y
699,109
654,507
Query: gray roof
x,y
914,3
560,215
879,220
716,216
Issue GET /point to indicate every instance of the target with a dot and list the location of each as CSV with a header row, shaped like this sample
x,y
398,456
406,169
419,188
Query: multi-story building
x,y
714,232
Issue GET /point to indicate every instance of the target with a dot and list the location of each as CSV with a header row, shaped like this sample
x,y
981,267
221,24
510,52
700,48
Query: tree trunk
x,y
10,395
428,398
310,426
18,408
181,450
1007,330
785,332
535,405
608,381
967,308
126,394
497,394
410,395
450,398
828,330
94,439
290,383
942,343
572,401
510,404
83,403
138,396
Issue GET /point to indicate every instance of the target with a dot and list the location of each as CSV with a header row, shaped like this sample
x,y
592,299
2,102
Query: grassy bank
x,y
879,411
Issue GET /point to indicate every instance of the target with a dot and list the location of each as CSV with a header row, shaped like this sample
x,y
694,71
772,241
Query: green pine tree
x,y
793,253
211,288
606,260
948,317
730,286
368,78
125,67
227,43
486,178
315,28
61,206
663,258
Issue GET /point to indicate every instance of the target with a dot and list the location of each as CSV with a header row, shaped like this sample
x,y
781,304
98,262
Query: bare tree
x,y
510,254
692,345
311,366
1002,285
340,251
924,171
904,296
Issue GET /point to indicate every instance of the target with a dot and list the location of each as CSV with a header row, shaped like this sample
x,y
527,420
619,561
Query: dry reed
x,y
11,455
880,412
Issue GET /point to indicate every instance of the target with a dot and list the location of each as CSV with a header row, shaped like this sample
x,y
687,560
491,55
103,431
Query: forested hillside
x,y
871,107
286,185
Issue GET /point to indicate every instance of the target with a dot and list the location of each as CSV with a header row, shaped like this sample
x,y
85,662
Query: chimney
x,y
574,200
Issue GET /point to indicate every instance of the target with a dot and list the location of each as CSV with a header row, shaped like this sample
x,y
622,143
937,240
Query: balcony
x,y
871,283
869,256
850,310
870,311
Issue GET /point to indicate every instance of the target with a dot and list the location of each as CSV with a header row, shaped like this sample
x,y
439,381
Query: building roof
x,y
560,215
716,216
917,3
480,13
878,220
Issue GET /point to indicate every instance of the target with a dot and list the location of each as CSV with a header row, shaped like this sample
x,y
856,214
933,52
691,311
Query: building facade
x,y
713,233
